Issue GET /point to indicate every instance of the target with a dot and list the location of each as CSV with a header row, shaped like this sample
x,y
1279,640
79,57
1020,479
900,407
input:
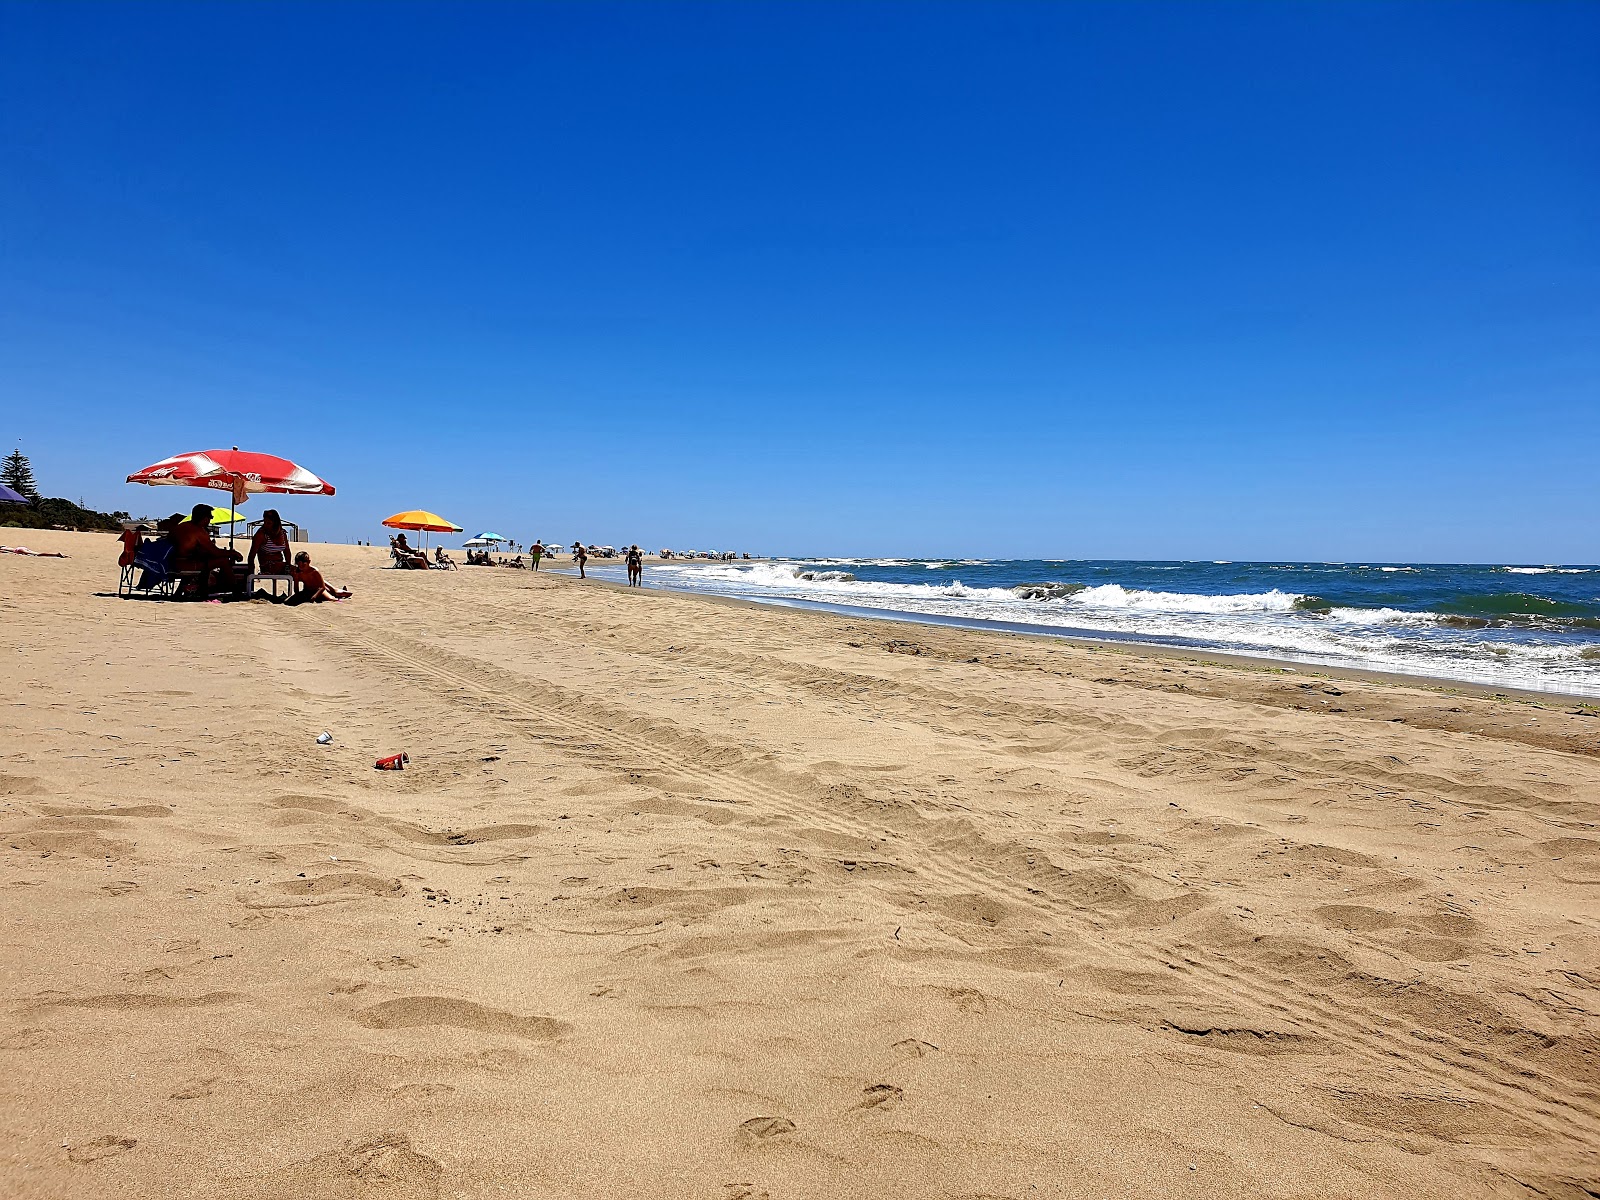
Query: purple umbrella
x,y
7,496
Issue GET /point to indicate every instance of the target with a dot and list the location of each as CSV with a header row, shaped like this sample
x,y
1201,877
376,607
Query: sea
x,y
1526,626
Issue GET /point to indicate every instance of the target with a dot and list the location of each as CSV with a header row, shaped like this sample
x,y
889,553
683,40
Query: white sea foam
x,y
1266,623
1381,616
1546,570
839,586
803,577
1114,595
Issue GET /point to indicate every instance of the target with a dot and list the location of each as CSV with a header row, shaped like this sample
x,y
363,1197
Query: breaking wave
x,y
1423,620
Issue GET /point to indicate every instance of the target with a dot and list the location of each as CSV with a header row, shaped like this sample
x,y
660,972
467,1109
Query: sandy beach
x,y
689,898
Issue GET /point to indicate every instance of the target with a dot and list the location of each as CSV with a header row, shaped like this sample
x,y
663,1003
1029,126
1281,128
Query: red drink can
x,y
395,762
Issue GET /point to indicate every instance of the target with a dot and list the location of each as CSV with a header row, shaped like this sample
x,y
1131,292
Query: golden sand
x,y
682,898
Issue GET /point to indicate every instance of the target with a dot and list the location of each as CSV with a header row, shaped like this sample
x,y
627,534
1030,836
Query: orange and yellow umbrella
x,y
422,521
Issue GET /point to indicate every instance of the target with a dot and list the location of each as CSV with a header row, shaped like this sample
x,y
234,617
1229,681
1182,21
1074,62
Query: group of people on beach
x,y
632,556
405,555
185,550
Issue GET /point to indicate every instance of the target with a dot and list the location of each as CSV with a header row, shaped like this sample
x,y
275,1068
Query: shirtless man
x,y
582,557
536,552
193,550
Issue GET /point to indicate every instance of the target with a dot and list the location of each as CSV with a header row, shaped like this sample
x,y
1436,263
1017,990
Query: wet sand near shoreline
x,y
682,898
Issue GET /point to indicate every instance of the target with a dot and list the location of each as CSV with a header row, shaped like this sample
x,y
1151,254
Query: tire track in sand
x,y
594,732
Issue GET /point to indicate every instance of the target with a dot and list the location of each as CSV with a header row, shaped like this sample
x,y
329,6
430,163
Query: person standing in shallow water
x,y
582,557
536,552
635,567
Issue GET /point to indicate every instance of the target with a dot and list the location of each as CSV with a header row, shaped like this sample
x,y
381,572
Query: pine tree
x,y
16,472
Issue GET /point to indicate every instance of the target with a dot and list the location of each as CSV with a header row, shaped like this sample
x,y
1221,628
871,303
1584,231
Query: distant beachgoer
x,y
582,557
536,552
635,567
442,560
269,548
312,588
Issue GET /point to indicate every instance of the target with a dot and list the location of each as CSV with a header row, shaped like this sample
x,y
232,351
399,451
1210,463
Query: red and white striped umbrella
x,y
240,472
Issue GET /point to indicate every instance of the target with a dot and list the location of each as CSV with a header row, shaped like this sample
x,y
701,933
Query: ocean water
x,y
1525,626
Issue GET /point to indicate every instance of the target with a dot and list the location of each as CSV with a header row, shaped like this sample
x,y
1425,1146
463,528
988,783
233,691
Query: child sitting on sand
x,y
312,587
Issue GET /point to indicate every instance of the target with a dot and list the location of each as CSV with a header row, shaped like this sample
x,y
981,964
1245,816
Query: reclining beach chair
x,y
152,564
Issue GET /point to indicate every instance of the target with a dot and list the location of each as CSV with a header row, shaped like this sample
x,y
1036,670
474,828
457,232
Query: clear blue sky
x,y
1278,280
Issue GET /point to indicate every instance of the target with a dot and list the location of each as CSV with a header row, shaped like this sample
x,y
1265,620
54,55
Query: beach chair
x,y
270,580
150,571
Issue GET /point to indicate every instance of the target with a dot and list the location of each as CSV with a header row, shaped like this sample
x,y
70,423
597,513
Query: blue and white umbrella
x,y
491,537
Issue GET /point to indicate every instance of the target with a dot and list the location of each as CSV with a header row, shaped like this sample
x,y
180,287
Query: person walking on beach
x,y
536,552
635,567
582,555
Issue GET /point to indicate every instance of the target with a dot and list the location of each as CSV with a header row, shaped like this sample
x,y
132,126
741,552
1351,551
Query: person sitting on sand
x,y
269,548
442,560
311,588
515,562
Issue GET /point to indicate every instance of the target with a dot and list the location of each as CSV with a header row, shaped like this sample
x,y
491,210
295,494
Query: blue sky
x,y
1100,280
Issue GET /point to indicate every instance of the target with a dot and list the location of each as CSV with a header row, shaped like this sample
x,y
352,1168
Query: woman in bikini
x,y
270,547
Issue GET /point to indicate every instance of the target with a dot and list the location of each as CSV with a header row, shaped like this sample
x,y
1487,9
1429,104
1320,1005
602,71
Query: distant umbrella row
x,y
243,473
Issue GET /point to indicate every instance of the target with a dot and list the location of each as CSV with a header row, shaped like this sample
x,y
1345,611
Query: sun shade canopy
x,y
238,471
418,519
223,516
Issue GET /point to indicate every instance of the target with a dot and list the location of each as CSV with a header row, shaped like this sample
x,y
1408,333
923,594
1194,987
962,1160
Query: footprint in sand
x,y
341,881
21,785
420,1092
412,1012
880,1095
196,1089
968,1000
758,1131
134,1001
382,1168
913,1048
101,1147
